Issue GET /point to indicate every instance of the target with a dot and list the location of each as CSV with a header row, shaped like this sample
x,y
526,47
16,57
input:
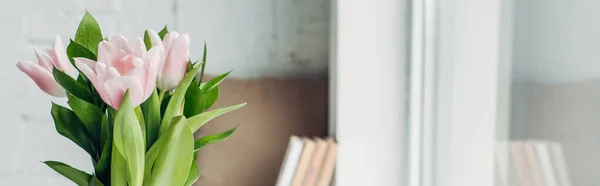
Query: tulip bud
x,y
41,72
173,66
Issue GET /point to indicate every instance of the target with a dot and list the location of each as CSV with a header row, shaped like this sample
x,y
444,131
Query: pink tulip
x,y
41,72
122,64
173,66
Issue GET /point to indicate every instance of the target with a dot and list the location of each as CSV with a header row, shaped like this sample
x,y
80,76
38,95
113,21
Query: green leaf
x,y
176,100
214,82
211,97
163,32
90,115
118,168
72,86
77,50
68,125
151,110
79,177
95,181
102,167
141,120
129,141
193,175
172,164
195,102
210,139
88,33
105,131
203,64
197,121
151,156
147,40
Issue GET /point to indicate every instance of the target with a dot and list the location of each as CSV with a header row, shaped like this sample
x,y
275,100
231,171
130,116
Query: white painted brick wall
x,y
254,37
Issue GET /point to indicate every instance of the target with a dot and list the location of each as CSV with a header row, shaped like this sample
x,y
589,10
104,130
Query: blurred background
x,y
416,92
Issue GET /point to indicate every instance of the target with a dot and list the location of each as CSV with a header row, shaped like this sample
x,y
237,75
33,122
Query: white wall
x,y
254,37
556,40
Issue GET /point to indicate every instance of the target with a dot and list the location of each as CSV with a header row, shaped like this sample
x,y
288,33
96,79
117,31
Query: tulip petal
x,y
137,47
61,60
91,64
152,60
176,63
44,59
138,71
156,41
42,78
109,53
120,42
91,72
169,39
116,89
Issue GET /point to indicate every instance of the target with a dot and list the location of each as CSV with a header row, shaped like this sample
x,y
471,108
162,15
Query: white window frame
x,y
368,90
434,126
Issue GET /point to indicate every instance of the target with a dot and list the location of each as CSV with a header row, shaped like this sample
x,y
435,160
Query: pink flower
x,y
41,72
173,66
122,64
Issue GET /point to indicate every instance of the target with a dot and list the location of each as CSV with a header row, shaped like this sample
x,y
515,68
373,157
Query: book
x,y
537,178
545,161
531,163
520,164
314,167
290,161
328,166
558,160
307,152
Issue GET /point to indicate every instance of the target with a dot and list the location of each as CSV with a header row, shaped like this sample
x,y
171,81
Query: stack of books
x,y
531,163
308,162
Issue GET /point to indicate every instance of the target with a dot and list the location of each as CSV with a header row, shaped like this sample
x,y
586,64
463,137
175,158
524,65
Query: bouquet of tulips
x,y
134,104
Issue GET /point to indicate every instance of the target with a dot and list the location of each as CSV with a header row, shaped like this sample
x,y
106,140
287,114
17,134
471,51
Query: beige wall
x,y
568,113
277,108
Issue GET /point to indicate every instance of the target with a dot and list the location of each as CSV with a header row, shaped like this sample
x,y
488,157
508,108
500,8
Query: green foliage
x,y
72,86
88,33
175,155
211,97
203,64
118,168
129,141
77,50
79,177
151,111
152,144
68,125
102,167
214,82
210,139
163,32
195,100
90,115
94,181
147,40
193,175
197,121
